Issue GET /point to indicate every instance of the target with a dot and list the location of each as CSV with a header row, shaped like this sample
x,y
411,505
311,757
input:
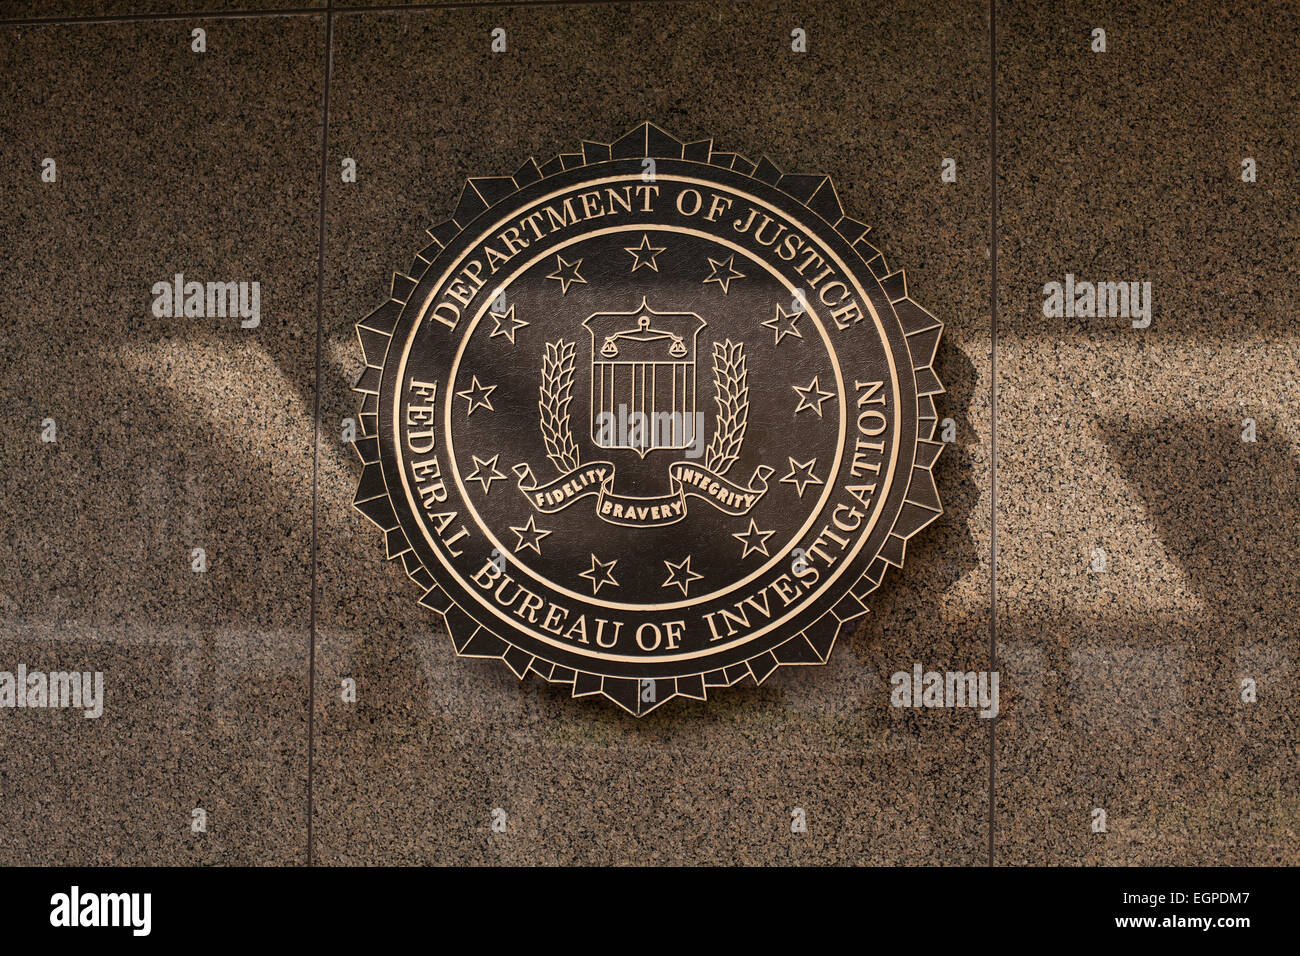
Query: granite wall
x,y
1111,545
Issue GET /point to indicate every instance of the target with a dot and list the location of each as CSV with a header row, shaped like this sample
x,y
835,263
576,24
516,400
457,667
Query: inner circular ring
x,y
894,371
657,606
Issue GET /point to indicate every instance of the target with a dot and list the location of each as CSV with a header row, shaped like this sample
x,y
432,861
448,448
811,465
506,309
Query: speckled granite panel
x,y
412,772
1159,690
1128,683
171,434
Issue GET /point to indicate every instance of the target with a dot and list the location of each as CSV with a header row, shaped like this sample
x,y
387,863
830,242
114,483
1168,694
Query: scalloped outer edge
x,y
814,643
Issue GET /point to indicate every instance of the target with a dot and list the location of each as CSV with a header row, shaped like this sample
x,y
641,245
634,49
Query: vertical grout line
x,y
315,469
993,410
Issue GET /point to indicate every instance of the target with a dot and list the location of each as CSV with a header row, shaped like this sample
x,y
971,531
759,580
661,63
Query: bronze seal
x,y
648,419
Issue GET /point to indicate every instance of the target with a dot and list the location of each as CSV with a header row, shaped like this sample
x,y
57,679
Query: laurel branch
x,y
556,395
729,377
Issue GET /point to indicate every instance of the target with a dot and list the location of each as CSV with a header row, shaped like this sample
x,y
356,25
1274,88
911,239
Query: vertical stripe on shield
x,y
659,392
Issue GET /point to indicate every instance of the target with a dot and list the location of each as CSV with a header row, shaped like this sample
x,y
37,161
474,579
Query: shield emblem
x,y
643,379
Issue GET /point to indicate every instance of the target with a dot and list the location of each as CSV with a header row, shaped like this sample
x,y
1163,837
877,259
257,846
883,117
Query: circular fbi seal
x,y
648,419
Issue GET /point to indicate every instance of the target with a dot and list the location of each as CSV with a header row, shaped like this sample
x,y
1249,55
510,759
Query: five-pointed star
x,y
477,396
801,475
719,277
681,574
530,536
812,397
492,474
599,573
753,540
569,277
644,254
506,324
784,323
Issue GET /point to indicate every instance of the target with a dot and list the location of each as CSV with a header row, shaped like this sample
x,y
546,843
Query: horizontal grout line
x,y
156,17
452,5
310,11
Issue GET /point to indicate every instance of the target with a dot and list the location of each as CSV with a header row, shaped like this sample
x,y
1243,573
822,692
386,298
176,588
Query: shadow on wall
x,y
1227,510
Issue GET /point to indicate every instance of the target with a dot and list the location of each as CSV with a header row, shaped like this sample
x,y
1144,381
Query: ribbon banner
x,y
685,479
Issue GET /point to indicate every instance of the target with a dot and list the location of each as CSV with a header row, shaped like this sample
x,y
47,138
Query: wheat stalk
x,y
556,394
729,378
